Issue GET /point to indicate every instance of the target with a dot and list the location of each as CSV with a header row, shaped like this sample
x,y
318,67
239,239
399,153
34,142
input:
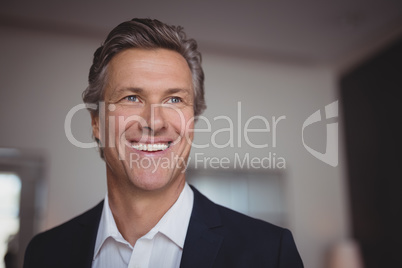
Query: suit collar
x,y
202,243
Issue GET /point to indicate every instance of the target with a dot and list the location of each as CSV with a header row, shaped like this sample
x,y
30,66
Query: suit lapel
x,y
202,243
84,238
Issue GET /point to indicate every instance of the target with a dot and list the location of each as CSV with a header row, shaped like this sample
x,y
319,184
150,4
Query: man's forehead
x,y
162,62
160,56
139,70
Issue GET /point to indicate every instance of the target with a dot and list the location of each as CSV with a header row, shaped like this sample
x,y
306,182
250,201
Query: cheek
x,y
190,128
118,122
181,120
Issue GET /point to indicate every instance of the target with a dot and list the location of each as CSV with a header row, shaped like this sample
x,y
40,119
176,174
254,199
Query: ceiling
x,y
322,31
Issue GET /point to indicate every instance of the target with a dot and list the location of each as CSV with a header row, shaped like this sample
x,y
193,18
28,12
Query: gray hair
x,y
145,34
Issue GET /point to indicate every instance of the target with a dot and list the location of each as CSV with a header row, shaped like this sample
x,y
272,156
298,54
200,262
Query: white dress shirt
x,y
162,246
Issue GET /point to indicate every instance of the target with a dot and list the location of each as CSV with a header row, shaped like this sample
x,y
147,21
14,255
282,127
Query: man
x,y
145,89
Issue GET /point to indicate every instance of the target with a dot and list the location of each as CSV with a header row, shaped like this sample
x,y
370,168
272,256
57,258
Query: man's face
x,y
149,118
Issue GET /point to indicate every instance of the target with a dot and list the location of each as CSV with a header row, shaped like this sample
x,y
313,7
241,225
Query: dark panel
x,y
372,106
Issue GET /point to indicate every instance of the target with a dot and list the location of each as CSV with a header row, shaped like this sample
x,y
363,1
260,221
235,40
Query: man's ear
x,y
95,126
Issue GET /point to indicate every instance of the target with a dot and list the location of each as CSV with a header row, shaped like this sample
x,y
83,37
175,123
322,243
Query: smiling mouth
x,y
151,147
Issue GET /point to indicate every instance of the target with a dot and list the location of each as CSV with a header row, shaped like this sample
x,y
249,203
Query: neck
x,y
137,211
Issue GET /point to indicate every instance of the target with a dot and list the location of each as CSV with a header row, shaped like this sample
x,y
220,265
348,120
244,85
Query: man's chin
x,y
151,180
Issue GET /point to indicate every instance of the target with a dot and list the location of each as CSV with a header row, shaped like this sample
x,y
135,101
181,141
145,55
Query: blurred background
x,y
271,59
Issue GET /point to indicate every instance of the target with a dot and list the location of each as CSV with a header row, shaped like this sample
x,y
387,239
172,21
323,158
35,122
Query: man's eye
x,y
174,100
132,98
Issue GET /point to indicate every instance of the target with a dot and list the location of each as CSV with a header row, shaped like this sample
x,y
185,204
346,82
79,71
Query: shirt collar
x,y
173,224
107,228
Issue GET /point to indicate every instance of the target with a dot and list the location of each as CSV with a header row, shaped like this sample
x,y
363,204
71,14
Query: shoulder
x,y
246,240
211,212
55,242
246,229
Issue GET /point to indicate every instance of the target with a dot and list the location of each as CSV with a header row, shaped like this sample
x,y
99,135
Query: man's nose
x,y
154,117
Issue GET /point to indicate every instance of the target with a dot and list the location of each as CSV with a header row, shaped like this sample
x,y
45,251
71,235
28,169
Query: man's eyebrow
x,y
177,90
135,90
140,90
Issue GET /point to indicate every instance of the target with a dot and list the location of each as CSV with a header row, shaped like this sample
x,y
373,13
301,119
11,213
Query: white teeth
x,y
150,147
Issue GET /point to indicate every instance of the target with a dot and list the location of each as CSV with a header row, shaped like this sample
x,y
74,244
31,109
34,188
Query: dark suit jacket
x,y
216,237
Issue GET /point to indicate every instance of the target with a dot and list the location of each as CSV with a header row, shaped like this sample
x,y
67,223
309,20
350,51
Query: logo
x,y
233,135
330,156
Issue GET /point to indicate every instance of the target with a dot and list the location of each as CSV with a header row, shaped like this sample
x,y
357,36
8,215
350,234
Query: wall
x,y
43,75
